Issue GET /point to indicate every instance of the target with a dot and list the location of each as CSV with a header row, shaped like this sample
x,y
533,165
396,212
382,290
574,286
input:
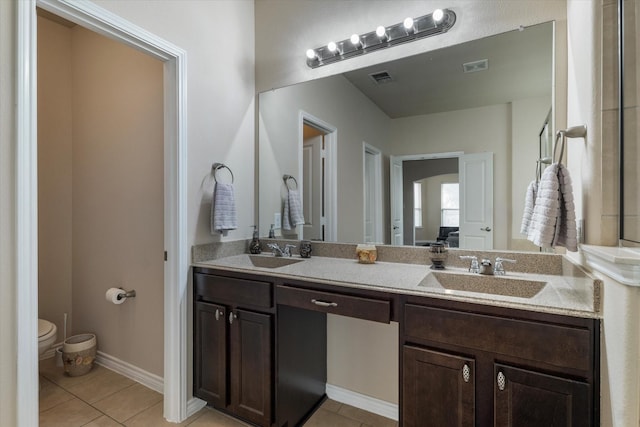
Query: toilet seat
x,y
45,328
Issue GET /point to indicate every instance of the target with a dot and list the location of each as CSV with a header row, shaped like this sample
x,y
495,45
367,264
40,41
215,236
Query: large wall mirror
x,y
630,129
404,152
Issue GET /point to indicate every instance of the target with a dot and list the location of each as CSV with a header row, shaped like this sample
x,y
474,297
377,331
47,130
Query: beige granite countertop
x,y
569,292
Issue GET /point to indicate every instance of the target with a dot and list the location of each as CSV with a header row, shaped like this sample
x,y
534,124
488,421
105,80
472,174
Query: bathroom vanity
x,y
483,358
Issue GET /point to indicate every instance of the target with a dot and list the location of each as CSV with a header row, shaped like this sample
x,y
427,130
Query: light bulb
x,y
381,31
311,54
355,39
408,23
332,47
437,15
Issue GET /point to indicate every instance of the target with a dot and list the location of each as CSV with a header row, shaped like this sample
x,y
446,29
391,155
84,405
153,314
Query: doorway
x,y
317,170
372,178
174,206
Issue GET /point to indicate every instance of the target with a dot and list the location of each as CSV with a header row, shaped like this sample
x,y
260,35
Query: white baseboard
x,y
362,401
194,405
147,379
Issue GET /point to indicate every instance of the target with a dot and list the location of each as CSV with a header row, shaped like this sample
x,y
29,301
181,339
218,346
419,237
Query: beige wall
x,y
118,201
8,357
54,173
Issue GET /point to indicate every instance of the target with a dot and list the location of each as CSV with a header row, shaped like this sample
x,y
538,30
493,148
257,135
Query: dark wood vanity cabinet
x,y
233,345
466,365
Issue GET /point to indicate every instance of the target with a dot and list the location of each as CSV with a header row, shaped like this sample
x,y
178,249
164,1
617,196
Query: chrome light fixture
x,y
438,22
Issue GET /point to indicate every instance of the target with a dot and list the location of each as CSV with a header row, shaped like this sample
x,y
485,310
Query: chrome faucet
x,y
278,251
498,269
474,267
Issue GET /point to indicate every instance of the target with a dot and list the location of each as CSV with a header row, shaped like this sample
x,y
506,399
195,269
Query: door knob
x,y
486,229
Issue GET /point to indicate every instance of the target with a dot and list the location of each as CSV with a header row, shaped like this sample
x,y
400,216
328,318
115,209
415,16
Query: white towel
x,y
292,214
542,228
566,231
529,203
223,209
553,222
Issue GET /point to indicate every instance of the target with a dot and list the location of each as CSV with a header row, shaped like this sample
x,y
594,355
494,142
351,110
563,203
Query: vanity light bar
x,y
438,22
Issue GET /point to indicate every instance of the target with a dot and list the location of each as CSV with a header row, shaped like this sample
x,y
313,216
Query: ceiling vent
x,y
381,77
472,67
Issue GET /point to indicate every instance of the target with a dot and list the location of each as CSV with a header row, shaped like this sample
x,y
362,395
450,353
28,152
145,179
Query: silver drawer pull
x,y
324,303
466,373
218,314
231,317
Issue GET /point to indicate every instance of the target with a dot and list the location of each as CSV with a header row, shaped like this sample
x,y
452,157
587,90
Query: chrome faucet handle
x,y
287,250
277,251
474,267
498,269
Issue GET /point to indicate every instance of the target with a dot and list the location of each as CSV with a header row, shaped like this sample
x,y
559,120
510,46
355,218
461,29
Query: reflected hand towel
x,y
292,214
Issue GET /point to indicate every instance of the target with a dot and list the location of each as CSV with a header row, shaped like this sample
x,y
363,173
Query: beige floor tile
x,y
49,370
213,418
103,384
51,395
72,413
324,418
152,417
103,421
371,419
331,405
128,402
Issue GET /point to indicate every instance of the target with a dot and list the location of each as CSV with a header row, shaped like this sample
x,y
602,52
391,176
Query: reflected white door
x,y
372,170
476,201
396,201
312,194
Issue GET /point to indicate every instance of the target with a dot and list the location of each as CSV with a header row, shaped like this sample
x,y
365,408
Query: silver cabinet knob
x,y
502,381
217,314
232,316
466,373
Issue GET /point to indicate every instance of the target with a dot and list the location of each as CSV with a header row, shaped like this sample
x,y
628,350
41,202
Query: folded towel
x,y
566,231
553,222
542,228
529,203
292,214
223,209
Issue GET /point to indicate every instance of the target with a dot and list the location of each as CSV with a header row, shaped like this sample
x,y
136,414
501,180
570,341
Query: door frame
x,y
176,268
330,170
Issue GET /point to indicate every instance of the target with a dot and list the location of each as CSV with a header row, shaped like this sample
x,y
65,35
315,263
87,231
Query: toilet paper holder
x,y
127,294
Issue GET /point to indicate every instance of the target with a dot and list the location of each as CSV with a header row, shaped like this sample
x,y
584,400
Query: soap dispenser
x,y
254,246
272,232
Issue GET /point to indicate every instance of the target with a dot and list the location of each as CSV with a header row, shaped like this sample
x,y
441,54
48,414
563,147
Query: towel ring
x,y
218,166
555,146
286,179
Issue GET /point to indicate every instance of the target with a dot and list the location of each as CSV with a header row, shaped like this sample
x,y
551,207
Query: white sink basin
x,y
265,261
496,285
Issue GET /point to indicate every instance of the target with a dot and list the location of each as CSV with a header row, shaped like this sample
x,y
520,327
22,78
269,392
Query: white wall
x,y
337,102
218,37
8,356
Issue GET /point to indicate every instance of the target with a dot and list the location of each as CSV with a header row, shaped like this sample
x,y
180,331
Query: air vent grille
x,y
381,77
472,67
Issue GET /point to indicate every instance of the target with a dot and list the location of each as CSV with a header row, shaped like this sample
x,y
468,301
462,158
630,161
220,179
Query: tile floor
x,y
103,398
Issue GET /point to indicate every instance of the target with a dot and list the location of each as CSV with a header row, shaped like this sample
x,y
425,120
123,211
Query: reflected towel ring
x,y
286,179
216,167
559,136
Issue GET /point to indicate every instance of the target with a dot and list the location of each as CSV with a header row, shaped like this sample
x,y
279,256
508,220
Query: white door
x,y
372,171
396,201
312,194
476,201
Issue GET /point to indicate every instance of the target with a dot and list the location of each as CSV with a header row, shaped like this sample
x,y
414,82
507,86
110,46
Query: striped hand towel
x,y
292,214
223,209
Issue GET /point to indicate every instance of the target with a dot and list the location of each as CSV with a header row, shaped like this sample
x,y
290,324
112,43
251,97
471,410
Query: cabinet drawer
x,y
557,345
335,303
209,287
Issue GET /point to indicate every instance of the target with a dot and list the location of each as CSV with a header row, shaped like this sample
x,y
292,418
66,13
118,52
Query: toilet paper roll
x,y
112,295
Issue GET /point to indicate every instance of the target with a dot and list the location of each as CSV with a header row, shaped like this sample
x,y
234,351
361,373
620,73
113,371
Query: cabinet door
x,y
251,366
210,358
526,398
438,389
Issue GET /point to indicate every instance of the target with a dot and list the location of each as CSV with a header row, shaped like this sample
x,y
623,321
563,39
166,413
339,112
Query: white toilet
x,y
47,334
